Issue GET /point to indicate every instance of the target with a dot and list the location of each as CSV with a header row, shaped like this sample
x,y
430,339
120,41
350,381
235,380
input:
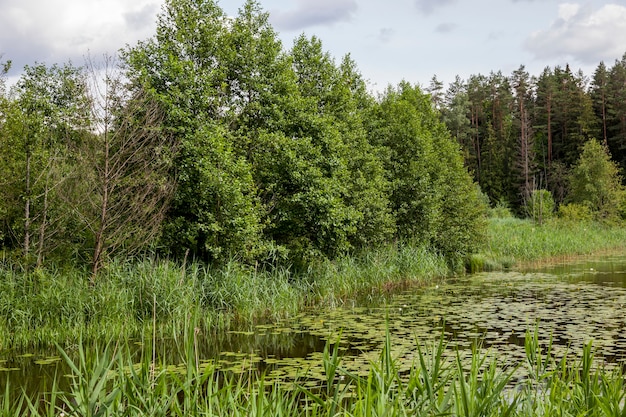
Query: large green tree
x,y
190,67
616,111
433,197
336,100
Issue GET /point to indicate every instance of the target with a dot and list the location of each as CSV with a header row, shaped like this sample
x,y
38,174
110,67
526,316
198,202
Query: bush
x,y
575,212
501,211
596,183
540,206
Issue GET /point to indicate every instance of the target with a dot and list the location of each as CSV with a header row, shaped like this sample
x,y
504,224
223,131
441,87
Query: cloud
x,y
427,7
386,34
57,31
581,33
142,18
309,13
446,27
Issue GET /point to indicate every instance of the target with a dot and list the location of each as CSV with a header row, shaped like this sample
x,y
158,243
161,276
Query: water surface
x,y
570,304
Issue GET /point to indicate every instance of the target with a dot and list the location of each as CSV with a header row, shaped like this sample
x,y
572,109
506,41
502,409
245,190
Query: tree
x,y
599,96
455,116
122,173
239,107
435,89
595,182
616,111
193,69
337,101
525,163
545,96
477,94
43,121
215,213
498,141
433,197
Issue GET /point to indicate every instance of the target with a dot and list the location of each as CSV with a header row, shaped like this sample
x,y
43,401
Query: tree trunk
x,y
27,218
99,246
42,226
549,110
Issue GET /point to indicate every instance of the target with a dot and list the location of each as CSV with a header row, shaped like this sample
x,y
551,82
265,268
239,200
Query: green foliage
x,y
296,172
214,212
43,119
540,206
282,157
433,198
501,211
575,212
595,182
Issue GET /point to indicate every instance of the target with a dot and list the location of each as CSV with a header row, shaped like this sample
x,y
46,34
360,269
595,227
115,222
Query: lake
x,y
570,304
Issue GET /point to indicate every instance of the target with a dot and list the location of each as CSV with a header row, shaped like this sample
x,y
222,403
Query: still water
x,y
570,304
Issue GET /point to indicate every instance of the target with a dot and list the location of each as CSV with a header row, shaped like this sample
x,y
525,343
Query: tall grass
x,y
130,298
110,383
48,306
514,241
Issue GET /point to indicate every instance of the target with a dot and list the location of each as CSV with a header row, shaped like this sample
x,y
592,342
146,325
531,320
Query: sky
x,y
390,40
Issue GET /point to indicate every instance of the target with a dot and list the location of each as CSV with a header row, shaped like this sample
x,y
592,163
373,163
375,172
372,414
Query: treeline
x,y
210,141
523,132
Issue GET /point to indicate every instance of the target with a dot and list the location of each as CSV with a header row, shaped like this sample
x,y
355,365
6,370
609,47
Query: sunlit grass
x,y
514,241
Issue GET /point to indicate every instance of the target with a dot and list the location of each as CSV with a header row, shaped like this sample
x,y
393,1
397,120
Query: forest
x,y
213,142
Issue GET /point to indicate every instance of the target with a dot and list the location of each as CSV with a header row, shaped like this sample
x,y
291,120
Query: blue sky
x,y
389,40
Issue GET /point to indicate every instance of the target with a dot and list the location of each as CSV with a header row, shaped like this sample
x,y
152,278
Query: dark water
x,y
570,304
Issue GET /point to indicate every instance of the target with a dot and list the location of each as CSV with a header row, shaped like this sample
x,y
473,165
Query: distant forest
x,y
522,132
211,141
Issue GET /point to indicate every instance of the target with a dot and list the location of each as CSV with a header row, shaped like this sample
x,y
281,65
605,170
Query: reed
x,y
108,381
514,241
52,305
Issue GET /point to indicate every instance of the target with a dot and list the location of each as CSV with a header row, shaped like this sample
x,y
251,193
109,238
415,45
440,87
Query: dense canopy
x,y
213,141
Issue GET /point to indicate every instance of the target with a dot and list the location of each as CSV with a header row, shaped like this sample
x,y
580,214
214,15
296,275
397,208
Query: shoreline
x,y
49,307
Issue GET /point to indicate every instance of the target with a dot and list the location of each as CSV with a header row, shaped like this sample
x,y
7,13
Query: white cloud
x,y
568,11
309,13
428,6
54,31
583,34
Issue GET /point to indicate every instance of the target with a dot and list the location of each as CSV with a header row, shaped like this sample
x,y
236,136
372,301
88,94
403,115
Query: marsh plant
x,y
515,241
59,305
111,383
48,306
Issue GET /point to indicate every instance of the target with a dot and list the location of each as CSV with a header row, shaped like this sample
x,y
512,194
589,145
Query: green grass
x,y
514,241
52,306
111,383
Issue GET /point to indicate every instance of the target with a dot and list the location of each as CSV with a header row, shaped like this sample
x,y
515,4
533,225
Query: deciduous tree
x,y
595,181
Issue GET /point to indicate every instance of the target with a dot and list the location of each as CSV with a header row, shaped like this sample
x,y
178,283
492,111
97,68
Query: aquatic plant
x,y
112,383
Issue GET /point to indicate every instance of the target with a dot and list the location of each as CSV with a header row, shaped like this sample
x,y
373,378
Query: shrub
x,y
501,211
540,206
575,212
596,183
